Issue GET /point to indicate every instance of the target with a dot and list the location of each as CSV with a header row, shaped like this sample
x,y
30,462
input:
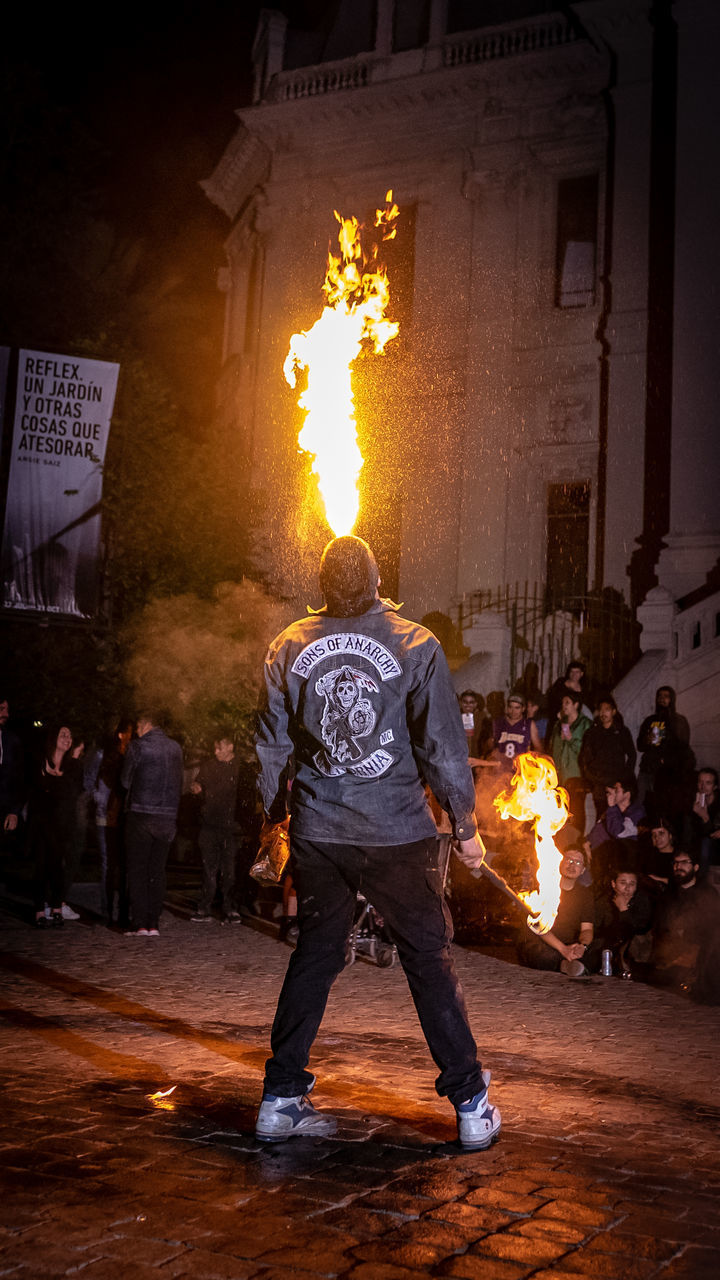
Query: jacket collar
x,y
378,606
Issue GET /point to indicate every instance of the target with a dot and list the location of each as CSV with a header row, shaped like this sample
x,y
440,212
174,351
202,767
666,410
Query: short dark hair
x,y
575,662
573,696
348,576
713,773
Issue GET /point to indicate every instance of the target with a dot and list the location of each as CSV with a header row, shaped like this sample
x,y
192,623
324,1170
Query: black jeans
x,y
404,884
148,838
218,848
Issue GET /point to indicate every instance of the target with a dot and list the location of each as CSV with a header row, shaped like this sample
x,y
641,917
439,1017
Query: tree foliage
x,y
199,660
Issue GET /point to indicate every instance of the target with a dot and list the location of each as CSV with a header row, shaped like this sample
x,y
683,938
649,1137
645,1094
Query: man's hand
x,y
575,951
471,852
10,822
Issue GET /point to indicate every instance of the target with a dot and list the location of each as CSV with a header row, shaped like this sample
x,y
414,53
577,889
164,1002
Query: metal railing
x,y
546,634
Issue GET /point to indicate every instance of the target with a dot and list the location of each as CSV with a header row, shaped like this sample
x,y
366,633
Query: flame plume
x,y
356,296
534,796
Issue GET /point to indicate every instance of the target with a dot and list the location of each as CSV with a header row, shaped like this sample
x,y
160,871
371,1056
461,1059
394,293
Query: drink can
x,y
607,964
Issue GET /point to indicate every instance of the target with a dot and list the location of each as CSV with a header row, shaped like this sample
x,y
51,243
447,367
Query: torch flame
x,y
356,296
534,796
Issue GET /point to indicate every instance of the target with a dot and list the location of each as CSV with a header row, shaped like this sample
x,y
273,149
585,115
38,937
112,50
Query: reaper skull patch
x,y
348,715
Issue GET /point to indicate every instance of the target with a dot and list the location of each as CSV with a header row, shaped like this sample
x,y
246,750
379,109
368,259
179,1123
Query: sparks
x,y
356,296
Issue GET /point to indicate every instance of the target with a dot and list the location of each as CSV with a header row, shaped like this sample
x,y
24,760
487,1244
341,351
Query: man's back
x,y
367,706
152,774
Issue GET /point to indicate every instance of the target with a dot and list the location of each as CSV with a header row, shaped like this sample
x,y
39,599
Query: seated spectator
x,y
613,841
705,819
656,853
565,743
514,734
564,947
572,682
621,914
607,752
686,934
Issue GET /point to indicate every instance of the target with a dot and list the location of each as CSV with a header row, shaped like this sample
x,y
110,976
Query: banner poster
x,y
51,538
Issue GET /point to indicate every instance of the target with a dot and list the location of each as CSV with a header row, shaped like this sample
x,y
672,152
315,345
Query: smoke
x,y
200,661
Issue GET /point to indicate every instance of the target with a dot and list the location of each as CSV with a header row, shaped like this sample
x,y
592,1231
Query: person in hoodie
x,y
607,752
565,743
663,742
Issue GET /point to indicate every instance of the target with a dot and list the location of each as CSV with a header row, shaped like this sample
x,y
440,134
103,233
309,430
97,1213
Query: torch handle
x,y
487,872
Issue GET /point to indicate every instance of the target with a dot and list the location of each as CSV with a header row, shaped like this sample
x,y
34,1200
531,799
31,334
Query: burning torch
x,y
533,795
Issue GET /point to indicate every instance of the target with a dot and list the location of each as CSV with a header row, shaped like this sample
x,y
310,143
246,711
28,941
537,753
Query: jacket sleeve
x,y
273,744
439,744
129,763
629,746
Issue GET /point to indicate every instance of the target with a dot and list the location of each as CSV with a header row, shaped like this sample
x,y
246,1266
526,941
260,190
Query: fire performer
x,y
364,700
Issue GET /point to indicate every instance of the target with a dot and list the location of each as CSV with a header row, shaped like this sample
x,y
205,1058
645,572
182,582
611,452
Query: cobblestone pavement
x,y
608,1164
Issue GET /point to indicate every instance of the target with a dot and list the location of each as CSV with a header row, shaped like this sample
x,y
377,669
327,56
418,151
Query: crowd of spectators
x,y
640,870
641,849
118,802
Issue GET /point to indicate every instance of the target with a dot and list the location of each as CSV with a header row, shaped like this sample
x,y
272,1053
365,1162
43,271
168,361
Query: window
x,y
398,258
568,529
696,636
411,22
576,241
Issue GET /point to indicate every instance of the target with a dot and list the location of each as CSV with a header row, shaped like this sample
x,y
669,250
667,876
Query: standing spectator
x,y
364,700
217,784
565,945
686,935
535,710
11,774
514,734
476,725
572,682
51,827
565,742
607,752
152,775
663,741
109,823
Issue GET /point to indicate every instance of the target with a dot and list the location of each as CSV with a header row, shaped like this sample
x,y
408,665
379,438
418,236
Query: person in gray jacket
x,y
152,775
362,700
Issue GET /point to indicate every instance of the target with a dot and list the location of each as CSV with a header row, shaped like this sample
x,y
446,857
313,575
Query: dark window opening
x,y
468,15
576,241
696,636
717,624
411,24
568,532
397,256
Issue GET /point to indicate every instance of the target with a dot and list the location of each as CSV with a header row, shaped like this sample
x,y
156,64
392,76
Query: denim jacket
x,y
367,706
152,774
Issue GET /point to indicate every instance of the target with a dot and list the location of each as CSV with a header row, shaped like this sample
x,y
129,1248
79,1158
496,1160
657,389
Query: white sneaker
x,y
68,913
478,1121
283,1118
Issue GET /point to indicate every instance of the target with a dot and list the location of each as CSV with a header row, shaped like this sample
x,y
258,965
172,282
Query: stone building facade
x,y
532,421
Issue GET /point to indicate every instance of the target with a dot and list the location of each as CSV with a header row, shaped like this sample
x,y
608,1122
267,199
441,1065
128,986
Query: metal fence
x,y
545,635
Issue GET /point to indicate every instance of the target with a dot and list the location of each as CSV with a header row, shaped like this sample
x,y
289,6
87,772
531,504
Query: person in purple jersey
x,y
514,734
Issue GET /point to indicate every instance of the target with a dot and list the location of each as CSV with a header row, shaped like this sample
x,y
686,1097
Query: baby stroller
x,y
368,937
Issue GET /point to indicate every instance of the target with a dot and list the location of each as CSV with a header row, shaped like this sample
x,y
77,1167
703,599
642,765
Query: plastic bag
x,y
273,856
